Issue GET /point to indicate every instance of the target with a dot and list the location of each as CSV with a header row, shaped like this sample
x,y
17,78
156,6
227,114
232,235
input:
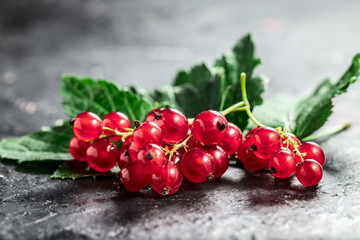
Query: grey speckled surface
x,y
145,43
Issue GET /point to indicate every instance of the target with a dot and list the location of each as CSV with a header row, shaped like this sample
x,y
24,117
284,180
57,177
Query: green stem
x,y
224,95
246,101
233,108
328,132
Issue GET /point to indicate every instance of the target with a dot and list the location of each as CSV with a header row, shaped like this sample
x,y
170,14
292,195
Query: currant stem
x,y
328,132
234,108
117,133
178,146
246,101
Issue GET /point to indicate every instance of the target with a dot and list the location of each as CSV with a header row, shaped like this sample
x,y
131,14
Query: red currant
x,y
152,157
313,151
282,163
197,165
265,141
168,180
150,117
78,148
87,126
173,124
133,150
146,133
209,127
249,160
221,160
232,139
133,177
124,156
194,143
118,121
102,155
309,172
251,132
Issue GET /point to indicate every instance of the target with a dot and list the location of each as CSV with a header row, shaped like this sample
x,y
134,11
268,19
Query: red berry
x,y
102,155
124,156
152,157
87,126
78,147
282,163
194,143
174,125
265,141
146,133
133,177
251,132
313,151
232,139
209,127
197,165
168,180
133,151
293,137
118,121
248,158
150,117
309,172
221,159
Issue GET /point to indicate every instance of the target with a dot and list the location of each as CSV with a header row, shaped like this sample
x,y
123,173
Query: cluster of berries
x,y
168,146
160,150
282,154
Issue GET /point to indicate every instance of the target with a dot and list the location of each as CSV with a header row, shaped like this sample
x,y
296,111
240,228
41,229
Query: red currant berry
x,y
133,151
221,160
313,151
251,132
249,160
87,126
168,180
309,172
282,163
118,121
194,143
293,137
124,157
176,157
133,177
128,140
232,139
197,165
78,147
150,117
146,133
209,127
152,157
102,155
174,125
265,141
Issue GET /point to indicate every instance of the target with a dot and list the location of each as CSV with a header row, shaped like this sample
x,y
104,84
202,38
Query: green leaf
x,y
101,97
241,59
201,87
75,170
305,116
46,145
312,112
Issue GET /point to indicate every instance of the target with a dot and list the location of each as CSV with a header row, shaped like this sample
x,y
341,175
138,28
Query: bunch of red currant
x,y
167,146
159,151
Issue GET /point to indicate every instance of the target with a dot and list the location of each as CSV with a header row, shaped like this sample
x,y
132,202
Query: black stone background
x,y
145,43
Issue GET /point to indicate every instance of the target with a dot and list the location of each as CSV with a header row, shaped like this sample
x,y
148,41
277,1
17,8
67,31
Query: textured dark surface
x,y
145,43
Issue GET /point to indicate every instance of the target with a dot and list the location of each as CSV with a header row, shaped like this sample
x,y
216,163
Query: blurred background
x,y
145,43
